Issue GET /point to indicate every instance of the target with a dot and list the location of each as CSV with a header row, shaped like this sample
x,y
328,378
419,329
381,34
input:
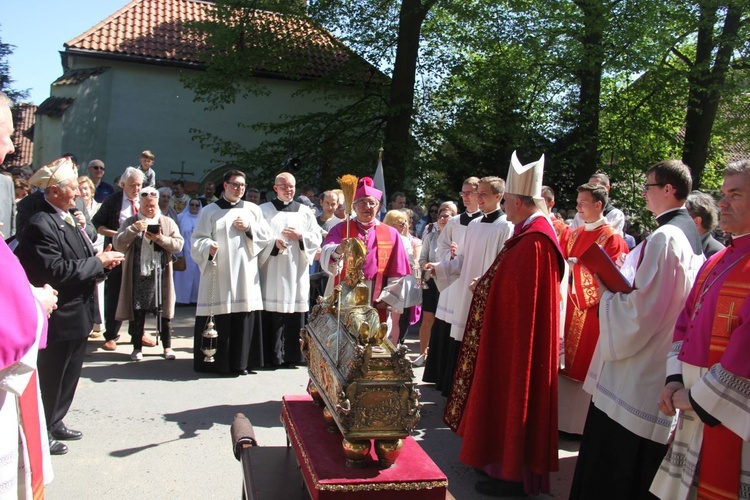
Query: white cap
x,y
54,173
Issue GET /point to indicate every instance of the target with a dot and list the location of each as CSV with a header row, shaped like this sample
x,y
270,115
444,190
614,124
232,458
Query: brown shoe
x,y
110,345
147,342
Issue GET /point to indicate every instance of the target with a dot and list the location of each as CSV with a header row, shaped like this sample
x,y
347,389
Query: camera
x,y
153,228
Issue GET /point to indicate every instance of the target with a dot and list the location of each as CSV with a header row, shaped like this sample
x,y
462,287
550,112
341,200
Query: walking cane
x,y
157,260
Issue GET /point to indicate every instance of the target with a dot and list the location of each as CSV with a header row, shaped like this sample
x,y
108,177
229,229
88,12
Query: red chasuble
x,y
504,396
581,319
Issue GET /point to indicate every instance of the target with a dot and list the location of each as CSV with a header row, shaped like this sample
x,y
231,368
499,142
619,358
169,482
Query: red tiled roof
x,y
156,30
23,118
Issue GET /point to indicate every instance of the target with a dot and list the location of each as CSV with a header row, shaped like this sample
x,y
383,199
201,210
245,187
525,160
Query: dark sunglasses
x,y
97,168
151,194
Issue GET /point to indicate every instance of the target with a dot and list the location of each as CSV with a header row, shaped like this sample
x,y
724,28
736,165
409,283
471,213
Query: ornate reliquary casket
x,y
365,384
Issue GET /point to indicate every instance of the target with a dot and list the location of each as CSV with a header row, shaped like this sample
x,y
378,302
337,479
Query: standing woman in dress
x,y
431,294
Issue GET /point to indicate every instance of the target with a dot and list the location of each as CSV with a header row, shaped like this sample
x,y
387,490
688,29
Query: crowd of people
x,y
519,329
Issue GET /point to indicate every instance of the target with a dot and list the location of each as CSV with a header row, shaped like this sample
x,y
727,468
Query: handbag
x,y
413,292
179,263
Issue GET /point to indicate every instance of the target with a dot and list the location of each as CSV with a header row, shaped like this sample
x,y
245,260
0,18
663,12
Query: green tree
x,y
6,81
722,33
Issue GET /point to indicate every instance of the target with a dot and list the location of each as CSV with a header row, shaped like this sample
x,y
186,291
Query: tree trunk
x,y
706,79
397,139
586,145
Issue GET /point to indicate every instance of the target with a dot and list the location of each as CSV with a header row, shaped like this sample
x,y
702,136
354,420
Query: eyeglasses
x,y
97,168
444,216
366,203
646,186
195,204
150,194
466,193
237,185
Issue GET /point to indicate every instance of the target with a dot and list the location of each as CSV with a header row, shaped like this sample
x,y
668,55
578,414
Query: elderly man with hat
x,y
504,397
54,249
386,262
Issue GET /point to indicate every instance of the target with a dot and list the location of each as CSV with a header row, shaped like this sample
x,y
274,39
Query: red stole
x,y
721,451
28,405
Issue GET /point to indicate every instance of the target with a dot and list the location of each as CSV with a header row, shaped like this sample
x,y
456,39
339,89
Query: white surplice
x,y
627,371
285,276
482,242
453,232
237,287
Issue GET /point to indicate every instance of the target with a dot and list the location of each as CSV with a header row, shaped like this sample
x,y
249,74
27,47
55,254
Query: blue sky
x,y
38,29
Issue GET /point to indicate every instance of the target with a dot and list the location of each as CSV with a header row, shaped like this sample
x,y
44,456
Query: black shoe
x,y
57,448
62,433
500,488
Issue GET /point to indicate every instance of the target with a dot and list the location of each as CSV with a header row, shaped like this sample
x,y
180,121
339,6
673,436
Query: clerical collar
x,y
475,214
667,215
590,226
225,204
285,206
491,217
738,240
368,225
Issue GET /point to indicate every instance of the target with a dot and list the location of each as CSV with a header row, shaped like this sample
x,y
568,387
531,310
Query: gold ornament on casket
x,y
365,382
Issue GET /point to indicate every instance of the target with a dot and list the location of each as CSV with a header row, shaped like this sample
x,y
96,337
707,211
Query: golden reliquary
x,y
365,384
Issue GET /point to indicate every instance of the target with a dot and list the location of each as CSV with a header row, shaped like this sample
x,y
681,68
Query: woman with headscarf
x,y
186,282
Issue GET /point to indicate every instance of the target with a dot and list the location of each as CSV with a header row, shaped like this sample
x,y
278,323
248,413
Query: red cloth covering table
x,y
321,458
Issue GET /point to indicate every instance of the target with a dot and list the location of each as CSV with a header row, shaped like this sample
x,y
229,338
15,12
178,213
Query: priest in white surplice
x,y
284,272
450,241
226,243
625,435
485,237
708,369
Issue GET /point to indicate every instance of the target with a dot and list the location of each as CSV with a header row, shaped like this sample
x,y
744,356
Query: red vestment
x,y
562,230
504,396
581,318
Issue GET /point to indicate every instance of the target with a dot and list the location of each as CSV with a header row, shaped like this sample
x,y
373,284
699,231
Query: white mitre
x,y
526,180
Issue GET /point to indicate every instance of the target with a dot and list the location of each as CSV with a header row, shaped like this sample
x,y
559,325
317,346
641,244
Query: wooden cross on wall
x,y
182,172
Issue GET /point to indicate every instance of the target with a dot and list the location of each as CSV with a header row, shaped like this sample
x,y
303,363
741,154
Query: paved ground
x,y
155,429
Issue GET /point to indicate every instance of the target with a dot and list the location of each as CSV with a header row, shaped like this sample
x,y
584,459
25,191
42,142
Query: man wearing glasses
x,y
115,209
484,238
285,272
228,237
386,262
96,173
627,372
451,239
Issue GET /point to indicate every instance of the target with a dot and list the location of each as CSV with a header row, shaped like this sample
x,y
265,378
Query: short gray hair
x,y
704,206
129,173
165,190
738,167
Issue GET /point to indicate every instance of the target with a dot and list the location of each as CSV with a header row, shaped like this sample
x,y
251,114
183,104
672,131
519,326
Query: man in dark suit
x,y
114,210
54,249
34,203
